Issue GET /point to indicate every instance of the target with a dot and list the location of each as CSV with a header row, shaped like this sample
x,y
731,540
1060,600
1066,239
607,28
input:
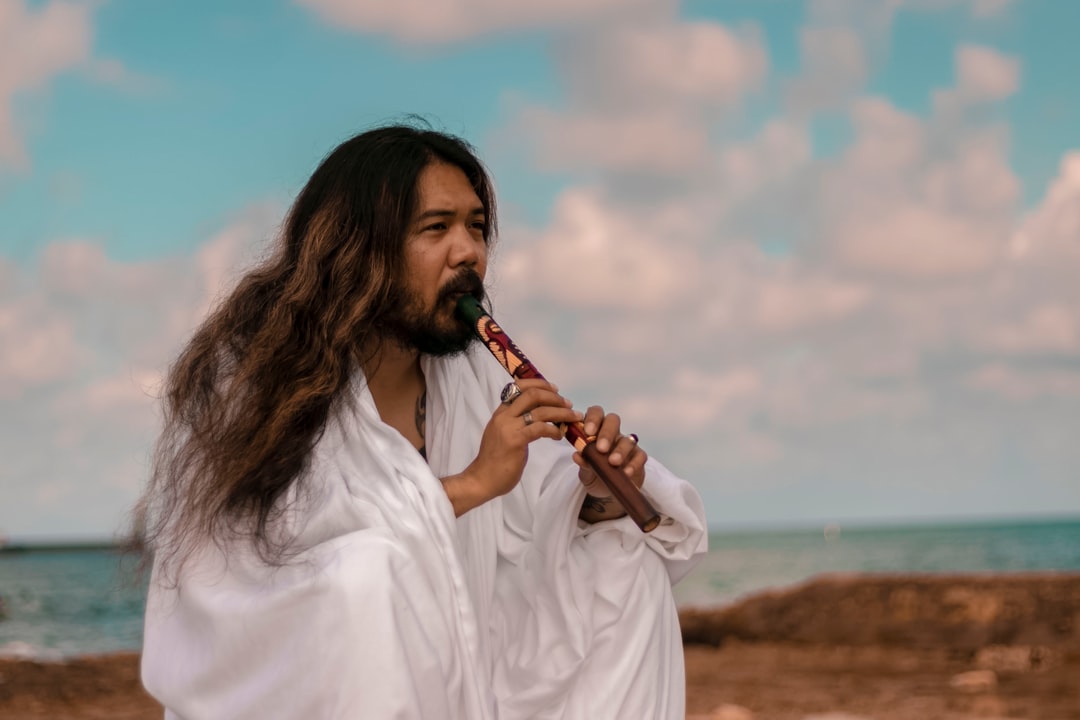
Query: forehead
x,y
445,186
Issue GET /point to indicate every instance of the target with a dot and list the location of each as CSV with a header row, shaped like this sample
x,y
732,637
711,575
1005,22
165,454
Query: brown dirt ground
x,y
790,682
774,681
873,647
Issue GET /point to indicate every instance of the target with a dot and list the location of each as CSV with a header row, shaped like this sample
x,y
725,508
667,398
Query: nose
x,y
466,248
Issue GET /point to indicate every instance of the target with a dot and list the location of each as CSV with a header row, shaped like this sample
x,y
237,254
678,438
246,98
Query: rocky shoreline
x,y
881,647
891,647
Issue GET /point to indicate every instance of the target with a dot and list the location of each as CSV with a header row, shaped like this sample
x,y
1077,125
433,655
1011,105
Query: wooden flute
x,y
520,367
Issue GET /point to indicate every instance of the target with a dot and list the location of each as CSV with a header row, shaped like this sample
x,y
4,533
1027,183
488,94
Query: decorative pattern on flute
x,y
520,367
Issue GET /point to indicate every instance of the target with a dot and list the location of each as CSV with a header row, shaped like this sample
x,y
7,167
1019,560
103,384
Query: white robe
x,y
392,608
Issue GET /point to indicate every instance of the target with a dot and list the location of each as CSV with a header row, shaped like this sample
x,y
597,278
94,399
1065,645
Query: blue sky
x,y
820,254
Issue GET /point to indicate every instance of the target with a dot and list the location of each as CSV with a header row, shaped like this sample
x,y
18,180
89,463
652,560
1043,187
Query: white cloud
x,y
990,8
655,142
641,96
1053,228
1015,385
84,342
912,240
444,21
834,66
696,399
914,200
37,347
701,65
844,40
594,258
1046,328
35,46
793,301
856,347
778,152
985,75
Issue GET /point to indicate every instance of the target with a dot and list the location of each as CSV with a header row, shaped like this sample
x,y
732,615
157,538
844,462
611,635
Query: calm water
x,y
742,563
65,603
73,602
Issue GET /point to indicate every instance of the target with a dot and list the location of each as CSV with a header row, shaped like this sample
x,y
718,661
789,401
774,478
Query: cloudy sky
x,y
823,256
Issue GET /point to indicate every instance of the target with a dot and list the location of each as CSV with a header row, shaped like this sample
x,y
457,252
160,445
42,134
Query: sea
x,y
65,601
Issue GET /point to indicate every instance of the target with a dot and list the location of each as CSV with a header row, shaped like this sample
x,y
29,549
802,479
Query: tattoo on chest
x,y
421,422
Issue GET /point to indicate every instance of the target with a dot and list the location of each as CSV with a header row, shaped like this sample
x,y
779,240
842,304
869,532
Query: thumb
x,y
592,482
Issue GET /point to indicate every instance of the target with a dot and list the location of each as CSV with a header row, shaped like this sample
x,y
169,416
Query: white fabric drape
x,y
391,608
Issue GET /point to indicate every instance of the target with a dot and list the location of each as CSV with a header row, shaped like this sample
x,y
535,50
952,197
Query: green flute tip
x,y
470,309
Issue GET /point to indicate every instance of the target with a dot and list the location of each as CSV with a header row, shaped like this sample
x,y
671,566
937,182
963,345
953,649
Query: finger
x,y
624,449
635,467
537,430
548,414
593,484
537,383
593,417
609,433
536,397
587,476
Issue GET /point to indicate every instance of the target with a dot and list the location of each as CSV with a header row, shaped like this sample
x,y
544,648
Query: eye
x,y
435,227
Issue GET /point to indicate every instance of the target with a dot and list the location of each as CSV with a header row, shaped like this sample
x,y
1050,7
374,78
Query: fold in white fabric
x,y
389,607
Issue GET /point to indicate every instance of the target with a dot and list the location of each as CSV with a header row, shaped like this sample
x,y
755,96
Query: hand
x,y
620,451
504,446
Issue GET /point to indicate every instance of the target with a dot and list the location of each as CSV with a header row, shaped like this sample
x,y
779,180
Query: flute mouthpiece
x,y
469,309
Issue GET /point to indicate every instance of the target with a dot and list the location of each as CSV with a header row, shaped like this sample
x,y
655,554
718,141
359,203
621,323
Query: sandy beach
x,y
835,648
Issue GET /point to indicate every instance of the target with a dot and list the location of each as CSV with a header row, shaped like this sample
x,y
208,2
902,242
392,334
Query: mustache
x,y
467,282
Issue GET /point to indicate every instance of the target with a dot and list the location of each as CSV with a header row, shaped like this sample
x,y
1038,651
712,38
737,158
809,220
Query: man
x,y
349,521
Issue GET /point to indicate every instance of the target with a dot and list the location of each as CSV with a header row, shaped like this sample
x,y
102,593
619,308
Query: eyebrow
x,y
446,213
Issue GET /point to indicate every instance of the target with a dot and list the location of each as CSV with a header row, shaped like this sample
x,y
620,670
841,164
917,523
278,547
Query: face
x,y
445,258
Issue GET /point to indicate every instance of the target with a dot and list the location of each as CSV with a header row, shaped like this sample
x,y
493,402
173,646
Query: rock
x,y
1044,658
18,650
1004,658
974,681
1016,658
959,612
731,712
988,706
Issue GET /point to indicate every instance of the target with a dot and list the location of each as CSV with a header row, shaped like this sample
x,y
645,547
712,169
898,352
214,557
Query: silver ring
x,y
633,436
509,393
527,417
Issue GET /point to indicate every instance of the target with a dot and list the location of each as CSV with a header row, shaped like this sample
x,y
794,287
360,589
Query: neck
x,y
393,372
397,386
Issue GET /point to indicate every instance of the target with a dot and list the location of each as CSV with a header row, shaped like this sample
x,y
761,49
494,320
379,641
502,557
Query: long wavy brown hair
x,y
250,395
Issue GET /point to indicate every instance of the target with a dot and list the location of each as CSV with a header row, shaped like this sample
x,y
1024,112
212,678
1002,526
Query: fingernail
x,y
590,428
615,458
629,471
602,444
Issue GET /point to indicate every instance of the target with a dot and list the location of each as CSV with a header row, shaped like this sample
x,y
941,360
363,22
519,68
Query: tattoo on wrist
x,y
597,505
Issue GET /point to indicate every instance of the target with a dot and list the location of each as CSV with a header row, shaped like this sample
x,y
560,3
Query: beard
x,y
409,324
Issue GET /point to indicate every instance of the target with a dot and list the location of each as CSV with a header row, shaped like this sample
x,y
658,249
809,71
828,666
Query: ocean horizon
x,y
66,598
